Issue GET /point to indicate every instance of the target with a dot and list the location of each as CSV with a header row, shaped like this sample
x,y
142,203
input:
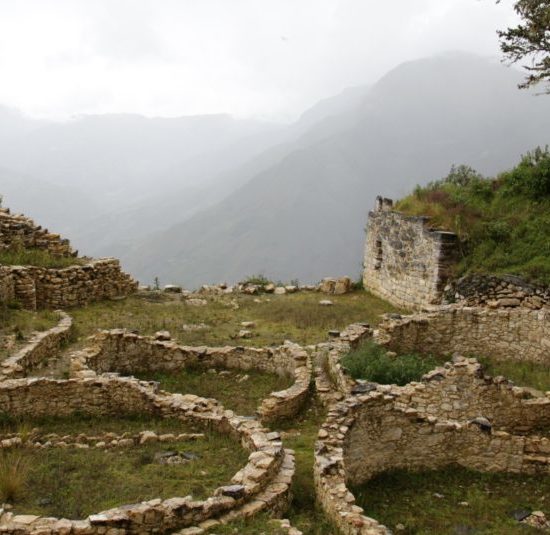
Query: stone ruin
x,y
455,415
36,287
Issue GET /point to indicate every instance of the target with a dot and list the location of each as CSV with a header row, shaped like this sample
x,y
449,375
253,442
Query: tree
x,y
530,40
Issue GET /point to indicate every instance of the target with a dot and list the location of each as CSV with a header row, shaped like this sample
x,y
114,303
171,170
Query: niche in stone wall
x,y
379,255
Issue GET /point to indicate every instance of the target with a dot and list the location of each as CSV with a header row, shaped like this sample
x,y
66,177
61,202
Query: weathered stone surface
x,y
405,261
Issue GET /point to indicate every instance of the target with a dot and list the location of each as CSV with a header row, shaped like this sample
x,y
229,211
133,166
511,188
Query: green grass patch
x,y
372,363
94,425
259,524
300,435
296,317
411,499
74,483
531,374
38,258
231,388
502,222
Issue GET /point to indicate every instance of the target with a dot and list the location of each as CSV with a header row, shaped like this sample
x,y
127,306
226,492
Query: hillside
x,y
503,222
303,214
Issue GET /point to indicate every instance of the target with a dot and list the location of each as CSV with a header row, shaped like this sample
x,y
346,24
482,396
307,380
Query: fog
x,y
266,59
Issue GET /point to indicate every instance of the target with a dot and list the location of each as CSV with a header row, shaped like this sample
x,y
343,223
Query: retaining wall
x,y
76,285
406,262
42,346
263,483
127,353
515,333
18,231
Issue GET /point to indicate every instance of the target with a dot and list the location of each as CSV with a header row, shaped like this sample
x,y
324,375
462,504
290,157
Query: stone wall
x,y
497,292
264,483
7,285
513,333
127,353
18,231
42,346
371,433
405,261
76,285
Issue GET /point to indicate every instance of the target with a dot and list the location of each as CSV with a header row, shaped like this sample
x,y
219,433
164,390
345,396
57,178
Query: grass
x,y
74,483
93,425
411,499
372,363
14,474
37,257
531,374
300,435
297,317
259,524
229,388
19,324
502,222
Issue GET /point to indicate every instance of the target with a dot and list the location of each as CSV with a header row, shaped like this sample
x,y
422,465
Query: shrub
x,y
14,474
257,280
371,362
532,176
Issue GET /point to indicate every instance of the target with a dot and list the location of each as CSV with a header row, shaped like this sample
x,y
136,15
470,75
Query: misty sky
x,y
261,58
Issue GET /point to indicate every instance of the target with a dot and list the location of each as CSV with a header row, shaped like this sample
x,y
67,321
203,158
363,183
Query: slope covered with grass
x,y
503,223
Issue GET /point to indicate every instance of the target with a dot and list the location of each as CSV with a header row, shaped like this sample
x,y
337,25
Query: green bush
x,y
36,257
372,363
502,223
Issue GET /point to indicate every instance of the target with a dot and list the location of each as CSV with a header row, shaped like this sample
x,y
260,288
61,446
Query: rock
x,y
508,302
334,334
326,303
146,437
342,286
400,527
269,288
197,302
291,289
484,424
243,379
172,288
520,514
243,333
163,336
327,285
189,456
248,324
279,290
233,491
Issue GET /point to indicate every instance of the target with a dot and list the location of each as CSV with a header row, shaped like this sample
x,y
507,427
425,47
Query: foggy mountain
x,y
302,216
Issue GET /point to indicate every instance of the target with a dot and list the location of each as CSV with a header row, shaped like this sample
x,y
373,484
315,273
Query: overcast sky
x,y
260,58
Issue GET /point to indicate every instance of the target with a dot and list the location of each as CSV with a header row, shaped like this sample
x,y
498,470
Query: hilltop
x,y
502,222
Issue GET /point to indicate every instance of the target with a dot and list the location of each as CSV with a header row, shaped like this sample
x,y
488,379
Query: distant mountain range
x,y
207,199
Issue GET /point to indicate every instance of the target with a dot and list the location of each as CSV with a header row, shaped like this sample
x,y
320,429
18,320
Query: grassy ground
x,y
235,391
371,362
299,435
502,222
93,425
18,325
38,258
74,483
432,502
296,317
532,374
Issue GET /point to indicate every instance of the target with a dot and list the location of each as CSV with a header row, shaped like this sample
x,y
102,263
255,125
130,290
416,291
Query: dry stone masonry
x,y
38,350
128,353
406,262
37,287
454,416
18,231
263,483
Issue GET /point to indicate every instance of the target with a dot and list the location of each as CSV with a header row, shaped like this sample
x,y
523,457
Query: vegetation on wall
x,y
503,222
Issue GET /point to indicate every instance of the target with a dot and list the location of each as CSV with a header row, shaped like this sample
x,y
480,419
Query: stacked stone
x,y
497,292
19,231
406,262
264,483
370,433
507,333
7,285
38,350
127,353
76,285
